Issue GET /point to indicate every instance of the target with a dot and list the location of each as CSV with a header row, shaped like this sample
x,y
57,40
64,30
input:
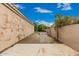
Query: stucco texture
x,y
70,35
52,32
13,28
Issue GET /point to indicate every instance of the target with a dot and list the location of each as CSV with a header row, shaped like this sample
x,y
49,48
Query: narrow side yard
x,y
27,47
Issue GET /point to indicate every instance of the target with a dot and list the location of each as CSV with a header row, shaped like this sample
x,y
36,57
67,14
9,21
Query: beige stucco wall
x,y
70,35
12,28
51,32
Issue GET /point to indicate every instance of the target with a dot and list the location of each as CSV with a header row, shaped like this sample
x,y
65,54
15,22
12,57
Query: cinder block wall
x,y
13,27
70,35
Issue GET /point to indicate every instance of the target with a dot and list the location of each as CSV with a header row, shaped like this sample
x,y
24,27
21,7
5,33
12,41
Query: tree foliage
x,y
67,20
63,20
58,21
40,27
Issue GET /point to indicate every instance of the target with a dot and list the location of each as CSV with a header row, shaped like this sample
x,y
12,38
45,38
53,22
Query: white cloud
x,y
41,10
59,5
19,6
64,6
44,22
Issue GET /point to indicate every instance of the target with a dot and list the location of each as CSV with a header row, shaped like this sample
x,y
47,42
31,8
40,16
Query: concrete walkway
x,y
40,50
38,37
27,47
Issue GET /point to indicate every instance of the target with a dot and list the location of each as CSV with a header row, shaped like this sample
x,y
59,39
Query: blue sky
x,y
44,13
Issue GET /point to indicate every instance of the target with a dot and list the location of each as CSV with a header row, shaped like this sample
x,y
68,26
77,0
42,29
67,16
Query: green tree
x,y
42,27
61,21
67,20
58,23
